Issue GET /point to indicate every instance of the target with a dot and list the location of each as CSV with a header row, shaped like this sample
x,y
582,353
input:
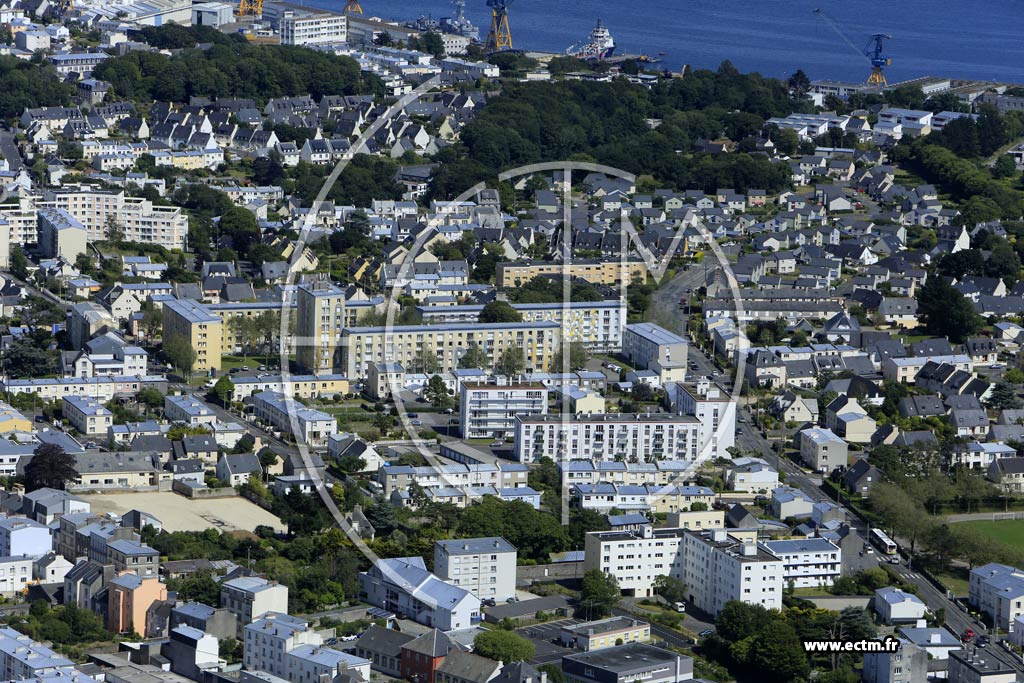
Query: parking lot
x,y
545,638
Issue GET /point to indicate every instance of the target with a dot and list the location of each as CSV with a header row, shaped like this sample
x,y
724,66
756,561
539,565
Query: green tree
x,y
223,390
599,592
198,587
578,357
19,262
778,656
503,646
50,467
500,312
425,360
1003,396
437,392
24,359
945,312
512,361
738,620
1004,167
181,355
670,588
474,357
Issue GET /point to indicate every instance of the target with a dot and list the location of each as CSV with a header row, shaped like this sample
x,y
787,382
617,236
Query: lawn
x,y
1010,532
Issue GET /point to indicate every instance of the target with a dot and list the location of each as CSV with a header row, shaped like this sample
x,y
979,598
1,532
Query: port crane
x,y
500,35
878,60
873,52
253,8
353,7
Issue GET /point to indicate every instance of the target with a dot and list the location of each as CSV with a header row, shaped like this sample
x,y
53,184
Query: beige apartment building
x,y
598,271
204,331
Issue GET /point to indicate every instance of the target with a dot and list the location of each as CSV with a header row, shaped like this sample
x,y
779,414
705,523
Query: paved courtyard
x,y
182,514
545,637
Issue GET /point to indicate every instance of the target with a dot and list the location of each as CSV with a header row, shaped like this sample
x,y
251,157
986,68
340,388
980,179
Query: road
x,y
280,447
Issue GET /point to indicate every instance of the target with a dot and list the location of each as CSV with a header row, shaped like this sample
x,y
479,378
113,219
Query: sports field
x,y
1010,532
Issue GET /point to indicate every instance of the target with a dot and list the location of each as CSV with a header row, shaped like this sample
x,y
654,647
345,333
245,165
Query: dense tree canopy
x,y
28,85
945,312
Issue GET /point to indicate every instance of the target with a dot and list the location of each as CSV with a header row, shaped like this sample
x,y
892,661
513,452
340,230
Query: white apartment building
x,y
315,663
822,450
87,415
998,591
100,388
500,475
643,498
632,437
251,597
489,410
288,415
807,562
60,235
486,567
22,658
268,639
714,408
15,575
715,566
300,28
660,473
189,410
719,568
24,536
139,218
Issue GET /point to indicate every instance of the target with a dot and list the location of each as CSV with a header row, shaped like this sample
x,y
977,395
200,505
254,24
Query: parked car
x,y
706,632
982,641
968,635
417,423
680,607
489,602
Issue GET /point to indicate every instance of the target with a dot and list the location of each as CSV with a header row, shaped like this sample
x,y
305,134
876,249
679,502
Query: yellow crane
x,y
353,7
253,8
500,35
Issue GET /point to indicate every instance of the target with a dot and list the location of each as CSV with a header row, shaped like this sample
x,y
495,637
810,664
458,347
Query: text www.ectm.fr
x,y
887,644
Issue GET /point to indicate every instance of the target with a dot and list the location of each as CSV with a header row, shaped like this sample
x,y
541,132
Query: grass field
x,y
1010,532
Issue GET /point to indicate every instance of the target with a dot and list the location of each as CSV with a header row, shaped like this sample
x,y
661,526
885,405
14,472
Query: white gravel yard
x,y
182,514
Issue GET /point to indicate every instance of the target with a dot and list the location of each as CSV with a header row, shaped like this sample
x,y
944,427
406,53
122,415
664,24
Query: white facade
x,y
715,410
24,536
15,575
807,562
633,437
188,410
896,606
140,219
647,344
998,591
269,639
101,388
250,597
822,450
486,567
488,410
280,410
404,586
313,29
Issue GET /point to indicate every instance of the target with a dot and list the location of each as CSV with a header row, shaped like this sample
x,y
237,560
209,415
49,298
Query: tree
x,y
181,355
223,390
24,359
50,467
738,620
500,312
512,361
670,588
112,230
600,592
425,360
474,357
503,646
198,587
799,83
778,655
382,516
1002,397
19,262
945,312
582,521
437,392
151,398
578,357
642,391
1004,167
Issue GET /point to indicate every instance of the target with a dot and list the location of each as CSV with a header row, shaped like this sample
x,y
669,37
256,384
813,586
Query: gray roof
x,y
475,546
467,666
386,641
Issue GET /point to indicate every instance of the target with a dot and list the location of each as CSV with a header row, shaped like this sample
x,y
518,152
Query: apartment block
x,y
500,475
60,235
288,415
319,320
998,591
297,386
489,410
643,498
251,597
101,388
24,536
486,567
87,415
822,450
715,409
191,321
404,586
189,410
363,346
140,219
648,346
626,664
807,562
611,632
269,639
633,437
605,272
319,28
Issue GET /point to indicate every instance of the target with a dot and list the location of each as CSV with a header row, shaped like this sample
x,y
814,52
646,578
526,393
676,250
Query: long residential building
x,y
633,437
597,325
807,562
598,271
643,498
715,410
361,347
298,386
313,28
660,473
500,475
140,219
716,566
100,388
280,411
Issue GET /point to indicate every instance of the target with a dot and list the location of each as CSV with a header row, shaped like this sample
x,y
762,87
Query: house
x,y
460,666
752,475
788,502
861,477
404,586
822,450
130,602
845,416
421,656
894,606
384,648
1008,474
236,469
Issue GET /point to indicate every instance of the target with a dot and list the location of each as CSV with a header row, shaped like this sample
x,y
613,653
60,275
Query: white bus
x,y
883,542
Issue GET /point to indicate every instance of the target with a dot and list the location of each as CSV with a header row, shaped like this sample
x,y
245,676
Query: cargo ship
x,y
600,46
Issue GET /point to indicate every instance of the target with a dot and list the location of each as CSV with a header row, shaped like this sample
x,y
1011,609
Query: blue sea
x,y
954,38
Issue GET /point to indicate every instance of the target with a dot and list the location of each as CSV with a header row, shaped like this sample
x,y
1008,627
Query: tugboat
x,y
600,46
